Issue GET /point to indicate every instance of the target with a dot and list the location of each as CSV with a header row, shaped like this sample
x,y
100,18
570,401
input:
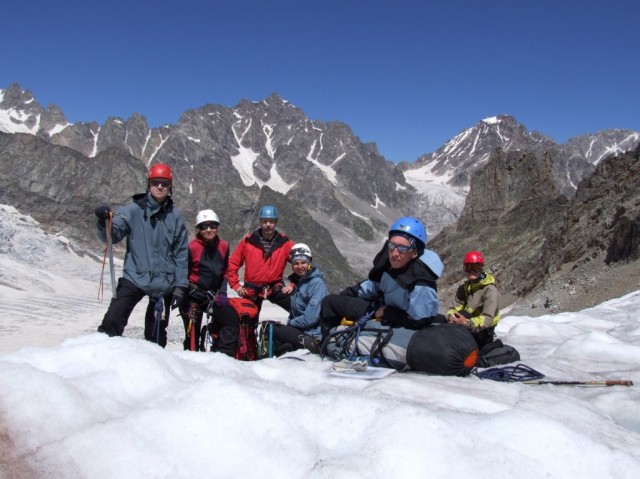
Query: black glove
x,y
103,212
176,299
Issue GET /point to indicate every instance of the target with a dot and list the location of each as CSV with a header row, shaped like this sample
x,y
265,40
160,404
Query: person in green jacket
x,y
477,301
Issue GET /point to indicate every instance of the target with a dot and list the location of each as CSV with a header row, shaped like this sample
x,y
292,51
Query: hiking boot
x,y
311,344
283,349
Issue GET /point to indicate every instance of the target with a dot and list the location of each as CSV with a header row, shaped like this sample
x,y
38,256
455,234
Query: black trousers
x,y
289,338
336,306
128,295
226,323
278,297
484,337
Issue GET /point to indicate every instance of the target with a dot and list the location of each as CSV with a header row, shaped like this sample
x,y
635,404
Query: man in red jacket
x,y
264,254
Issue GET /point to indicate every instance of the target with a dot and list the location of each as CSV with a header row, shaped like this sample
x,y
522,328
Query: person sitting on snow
x,y
477,308
477,301
401,288
303,326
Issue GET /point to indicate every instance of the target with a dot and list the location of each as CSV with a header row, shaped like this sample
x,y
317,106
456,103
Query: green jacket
x,y
480,299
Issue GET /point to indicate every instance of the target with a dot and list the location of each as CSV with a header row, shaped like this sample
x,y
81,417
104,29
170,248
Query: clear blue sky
x,y
407,75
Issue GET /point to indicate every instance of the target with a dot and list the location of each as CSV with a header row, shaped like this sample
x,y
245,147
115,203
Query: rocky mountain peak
x,y
21,113
233,159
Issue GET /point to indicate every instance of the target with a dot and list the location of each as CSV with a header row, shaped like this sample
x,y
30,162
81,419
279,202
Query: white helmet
x,y
300,251
207,215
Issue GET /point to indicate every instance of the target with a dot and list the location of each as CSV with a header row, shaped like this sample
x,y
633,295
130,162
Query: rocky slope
x,y
334,192
550,253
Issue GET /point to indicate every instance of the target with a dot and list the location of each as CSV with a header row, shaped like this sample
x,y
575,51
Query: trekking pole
x,y
583,383
270,340
108,251
112,269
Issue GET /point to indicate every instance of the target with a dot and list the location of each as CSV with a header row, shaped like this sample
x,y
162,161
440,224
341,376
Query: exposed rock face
x,y
60,187
457,160
561,254
605,213
597,256
512,214
335,193
62,194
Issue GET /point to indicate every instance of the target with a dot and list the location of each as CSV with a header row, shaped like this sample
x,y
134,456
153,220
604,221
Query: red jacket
x,y
258,269
208,263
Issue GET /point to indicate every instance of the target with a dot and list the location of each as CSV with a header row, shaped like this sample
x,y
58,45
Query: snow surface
x,y
75,403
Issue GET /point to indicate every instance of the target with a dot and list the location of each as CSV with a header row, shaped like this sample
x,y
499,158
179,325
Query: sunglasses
x,y
208,226
159,183
402,248
470,269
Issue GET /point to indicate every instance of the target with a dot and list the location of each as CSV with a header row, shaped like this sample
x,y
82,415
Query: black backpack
x,y
443,349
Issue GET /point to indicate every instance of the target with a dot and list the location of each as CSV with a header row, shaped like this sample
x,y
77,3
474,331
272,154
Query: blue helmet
x,y
411,227
268,212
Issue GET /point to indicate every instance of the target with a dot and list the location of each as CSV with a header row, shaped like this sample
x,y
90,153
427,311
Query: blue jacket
x,y
410,294
305,301
157,250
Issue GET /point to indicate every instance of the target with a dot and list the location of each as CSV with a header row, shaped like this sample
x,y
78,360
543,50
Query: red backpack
x,y
248,322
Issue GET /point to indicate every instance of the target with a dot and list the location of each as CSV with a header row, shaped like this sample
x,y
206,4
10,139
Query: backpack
x,y
248,322
496,353
248,317
443,349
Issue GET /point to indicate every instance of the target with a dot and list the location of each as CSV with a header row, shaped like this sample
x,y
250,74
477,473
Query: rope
x,y
519,372
344,338
360,326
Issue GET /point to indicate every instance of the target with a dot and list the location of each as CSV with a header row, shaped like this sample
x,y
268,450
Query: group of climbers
x,y
398,296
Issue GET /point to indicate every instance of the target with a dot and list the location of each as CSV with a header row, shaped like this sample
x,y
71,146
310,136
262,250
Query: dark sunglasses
x,y
402,248
163,183
471,269
208,226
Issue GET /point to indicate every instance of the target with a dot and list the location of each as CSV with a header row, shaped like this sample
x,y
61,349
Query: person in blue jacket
x,y
401,289
156,257
307,290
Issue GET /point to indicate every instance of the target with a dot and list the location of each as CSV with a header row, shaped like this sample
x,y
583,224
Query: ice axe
x,y
611,382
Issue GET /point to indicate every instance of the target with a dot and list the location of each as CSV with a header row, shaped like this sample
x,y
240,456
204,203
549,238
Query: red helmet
x,y
473,257
160,170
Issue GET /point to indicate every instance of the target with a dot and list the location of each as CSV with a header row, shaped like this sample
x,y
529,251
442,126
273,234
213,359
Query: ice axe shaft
x,y
621,382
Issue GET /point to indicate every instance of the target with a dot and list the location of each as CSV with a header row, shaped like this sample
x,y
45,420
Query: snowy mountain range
x,y
337,193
